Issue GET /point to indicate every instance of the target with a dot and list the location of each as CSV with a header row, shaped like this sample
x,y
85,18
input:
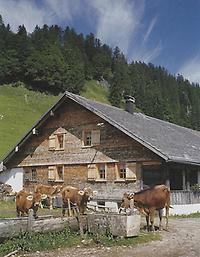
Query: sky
x,y
163,32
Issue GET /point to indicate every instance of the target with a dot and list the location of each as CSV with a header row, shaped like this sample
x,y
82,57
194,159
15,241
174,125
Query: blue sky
x,y
163,32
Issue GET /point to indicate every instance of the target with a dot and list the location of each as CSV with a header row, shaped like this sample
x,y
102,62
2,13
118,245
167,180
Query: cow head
x,y
36,198
88,193
57,189
127,201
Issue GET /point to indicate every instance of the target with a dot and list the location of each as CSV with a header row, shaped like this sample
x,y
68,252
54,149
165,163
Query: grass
x,y
29,242
20,108
94,91
8,210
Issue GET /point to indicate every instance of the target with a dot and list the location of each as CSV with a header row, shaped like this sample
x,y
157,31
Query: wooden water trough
x,y
11,227
95,222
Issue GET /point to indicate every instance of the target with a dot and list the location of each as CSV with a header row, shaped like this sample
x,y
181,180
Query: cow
x,y
26,201
50,191
149,200
77,197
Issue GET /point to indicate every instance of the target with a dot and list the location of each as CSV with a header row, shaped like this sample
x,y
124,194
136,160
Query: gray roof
x,y
171,142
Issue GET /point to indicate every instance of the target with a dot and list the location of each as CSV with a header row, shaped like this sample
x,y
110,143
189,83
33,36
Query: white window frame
x,y
93,172
131,171
28,175
53,173
95,137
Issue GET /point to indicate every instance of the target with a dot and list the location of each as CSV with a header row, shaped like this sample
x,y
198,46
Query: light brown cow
x,y
26,201
149,200
76,196
50,191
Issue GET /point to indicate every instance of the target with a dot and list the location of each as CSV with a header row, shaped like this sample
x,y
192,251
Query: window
x,y
60,138
34,174
30,174
122,170
126,171
56,173
102,171
57,142
97,172
88,138
91,137
60,173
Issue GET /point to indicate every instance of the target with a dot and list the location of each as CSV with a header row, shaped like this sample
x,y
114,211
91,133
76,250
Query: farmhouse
x,y
81,142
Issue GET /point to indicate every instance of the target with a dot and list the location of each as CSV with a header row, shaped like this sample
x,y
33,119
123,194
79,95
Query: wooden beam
x,y
183,179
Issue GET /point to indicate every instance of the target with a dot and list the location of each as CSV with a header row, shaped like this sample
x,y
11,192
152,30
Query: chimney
x,y
130,103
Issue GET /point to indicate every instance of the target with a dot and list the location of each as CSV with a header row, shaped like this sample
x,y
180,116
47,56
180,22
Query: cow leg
x,y
160,213
51,203
167,216
151,214
69,207
147,220
63,209
41,205
18,212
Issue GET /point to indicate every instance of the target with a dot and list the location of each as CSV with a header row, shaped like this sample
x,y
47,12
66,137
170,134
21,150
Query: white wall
x,y
13,177
184,209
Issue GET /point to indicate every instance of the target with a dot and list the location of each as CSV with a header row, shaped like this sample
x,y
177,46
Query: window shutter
x,y
131,171
92,171
95,137
52,173
52,142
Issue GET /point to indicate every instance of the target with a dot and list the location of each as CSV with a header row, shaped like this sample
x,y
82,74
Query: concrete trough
x,y
120,225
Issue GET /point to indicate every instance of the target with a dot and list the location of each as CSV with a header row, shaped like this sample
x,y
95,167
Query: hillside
x,y
20,108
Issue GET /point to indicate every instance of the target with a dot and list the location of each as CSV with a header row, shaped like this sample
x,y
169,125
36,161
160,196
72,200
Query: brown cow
x,y
149,200
26,201
50,191
76,196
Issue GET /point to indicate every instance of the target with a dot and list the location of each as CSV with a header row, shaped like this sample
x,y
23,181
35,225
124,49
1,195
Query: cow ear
x,y
81,192
130,196
95,193
29,197
44,196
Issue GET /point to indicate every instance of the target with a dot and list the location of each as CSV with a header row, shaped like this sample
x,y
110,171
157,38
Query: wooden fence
x,y
184,197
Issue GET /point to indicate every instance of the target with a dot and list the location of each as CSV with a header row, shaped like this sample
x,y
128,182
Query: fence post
x,y
31,220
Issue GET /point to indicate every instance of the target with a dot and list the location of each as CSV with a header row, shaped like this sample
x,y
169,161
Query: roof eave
x,y
188,162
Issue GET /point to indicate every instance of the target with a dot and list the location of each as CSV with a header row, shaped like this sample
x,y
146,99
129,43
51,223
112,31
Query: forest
x,y
52,59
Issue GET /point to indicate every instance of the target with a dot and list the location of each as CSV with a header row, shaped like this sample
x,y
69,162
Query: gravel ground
x,y
182,240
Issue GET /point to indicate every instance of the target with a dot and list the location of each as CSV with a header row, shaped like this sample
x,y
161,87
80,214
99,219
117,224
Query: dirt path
x,y
182,240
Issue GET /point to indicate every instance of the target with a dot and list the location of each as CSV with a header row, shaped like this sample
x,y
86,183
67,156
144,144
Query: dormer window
x,y
60,139
91,137
126,171
88,138
57,141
